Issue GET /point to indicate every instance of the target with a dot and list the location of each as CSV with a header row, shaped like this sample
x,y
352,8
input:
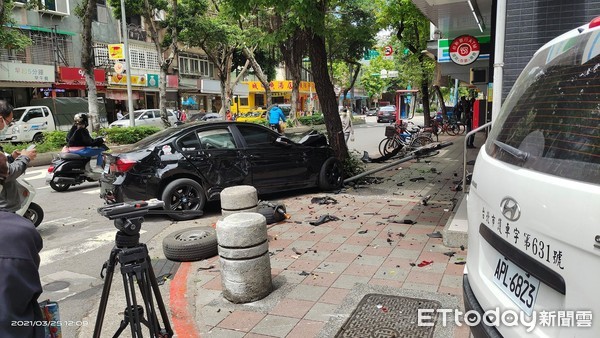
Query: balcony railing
x,y
136,32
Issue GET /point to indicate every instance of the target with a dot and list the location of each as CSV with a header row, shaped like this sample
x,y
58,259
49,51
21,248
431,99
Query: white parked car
x,y
534,203
145,117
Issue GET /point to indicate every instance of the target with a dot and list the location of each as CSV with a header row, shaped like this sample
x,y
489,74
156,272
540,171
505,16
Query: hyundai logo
x,y
510,209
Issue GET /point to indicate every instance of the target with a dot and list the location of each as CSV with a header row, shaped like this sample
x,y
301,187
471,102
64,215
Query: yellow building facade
x,y
281,92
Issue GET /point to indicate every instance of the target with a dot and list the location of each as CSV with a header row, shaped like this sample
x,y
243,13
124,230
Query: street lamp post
x,y
127,65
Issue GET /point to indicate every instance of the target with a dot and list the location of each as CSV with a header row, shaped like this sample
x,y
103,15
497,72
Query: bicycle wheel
x,y
452,129
420,141
389,146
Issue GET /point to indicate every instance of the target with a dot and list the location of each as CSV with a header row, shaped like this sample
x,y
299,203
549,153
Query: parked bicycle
x,y
449,126
399,136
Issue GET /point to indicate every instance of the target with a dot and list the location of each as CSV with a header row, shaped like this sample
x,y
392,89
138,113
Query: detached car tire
x,y
191,244
331,175
183,194
269,210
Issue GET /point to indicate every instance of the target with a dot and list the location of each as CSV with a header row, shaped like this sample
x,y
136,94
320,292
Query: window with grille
x,y
190,64
143,58
13,55
43,50
101,56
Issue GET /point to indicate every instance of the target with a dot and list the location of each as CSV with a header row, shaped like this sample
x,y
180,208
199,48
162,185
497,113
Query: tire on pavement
x,y
191,244
183,194
269,210
331,175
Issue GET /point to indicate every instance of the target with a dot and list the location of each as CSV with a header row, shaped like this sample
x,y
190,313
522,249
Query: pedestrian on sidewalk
x,y
469,122
347,127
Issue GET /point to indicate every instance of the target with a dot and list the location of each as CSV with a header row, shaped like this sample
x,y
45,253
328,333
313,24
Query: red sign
x,y
464,50
71,74
388,51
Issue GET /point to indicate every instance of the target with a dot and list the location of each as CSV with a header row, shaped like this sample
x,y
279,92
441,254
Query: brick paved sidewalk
x,y
321,272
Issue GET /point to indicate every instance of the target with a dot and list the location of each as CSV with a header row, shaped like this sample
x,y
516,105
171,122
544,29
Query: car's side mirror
x,y
283,141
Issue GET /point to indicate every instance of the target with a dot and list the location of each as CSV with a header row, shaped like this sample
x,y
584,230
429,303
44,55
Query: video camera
x,y
128,216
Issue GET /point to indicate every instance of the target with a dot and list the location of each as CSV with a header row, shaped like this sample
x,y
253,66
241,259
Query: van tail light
x,y
595,22
122,165
51,169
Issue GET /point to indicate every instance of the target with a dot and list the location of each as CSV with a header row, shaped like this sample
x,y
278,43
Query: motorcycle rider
x,y
274,116
17,164
79,136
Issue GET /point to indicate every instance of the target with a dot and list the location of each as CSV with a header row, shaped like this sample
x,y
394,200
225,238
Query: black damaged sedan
x,y
186,166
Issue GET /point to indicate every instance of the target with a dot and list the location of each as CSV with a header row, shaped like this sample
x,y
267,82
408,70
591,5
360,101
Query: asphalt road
x,y
77,240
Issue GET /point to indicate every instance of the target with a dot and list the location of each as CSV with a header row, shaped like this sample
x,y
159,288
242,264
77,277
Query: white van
x,y
29,124
534,202
145,117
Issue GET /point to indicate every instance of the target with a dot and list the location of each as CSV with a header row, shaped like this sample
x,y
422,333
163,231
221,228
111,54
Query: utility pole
x,y
127,65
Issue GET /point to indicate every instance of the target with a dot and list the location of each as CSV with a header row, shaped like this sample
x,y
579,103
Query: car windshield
x,y
154,139
549,122
136,114
17,113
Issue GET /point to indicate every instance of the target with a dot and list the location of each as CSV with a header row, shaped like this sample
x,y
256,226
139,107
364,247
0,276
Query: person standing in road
x,y
347,126
20,285
276,115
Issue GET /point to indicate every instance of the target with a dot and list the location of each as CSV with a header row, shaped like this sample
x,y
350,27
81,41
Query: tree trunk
x,y
327,97
425,91
162,96
259,73
295,95
88,64
293,50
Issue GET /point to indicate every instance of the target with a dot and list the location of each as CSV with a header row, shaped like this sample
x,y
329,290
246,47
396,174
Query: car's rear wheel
x,y
184,194
331,174
191,244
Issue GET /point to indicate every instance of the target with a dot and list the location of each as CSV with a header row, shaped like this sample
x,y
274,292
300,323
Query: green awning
x,y
42,29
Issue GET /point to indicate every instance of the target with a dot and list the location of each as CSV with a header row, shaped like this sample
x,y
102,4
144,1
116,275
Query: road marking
x,y
44,187
68,251
182,319
65,221
93,192
35,174
53,255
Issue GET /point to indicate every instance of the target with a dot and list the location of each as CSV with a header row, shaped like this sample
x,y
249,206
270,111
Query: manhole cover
x,y
56,286
385,316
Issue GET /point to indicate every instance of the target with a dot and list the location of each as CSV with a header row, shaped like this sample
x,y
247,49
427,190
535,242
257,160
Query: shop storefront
x,y
191,99
20,82
117,89
71,82
281,93
212,88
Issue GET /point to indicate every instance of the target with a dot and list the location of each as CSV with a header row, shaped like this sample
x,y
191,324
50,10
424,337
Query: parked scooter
x,y
30,210
71,169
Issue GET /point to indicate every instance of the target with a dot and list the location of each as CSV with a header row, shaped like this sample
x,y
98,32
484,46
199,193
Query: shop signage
x,y
116,51
26,72
152,80
119,68
119,79
172,81
464,50
443,54
72,75
280,86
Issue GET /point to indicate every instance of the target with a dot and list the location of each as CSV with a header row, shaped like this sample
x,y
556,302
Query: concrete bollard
x,y
241,198
244,257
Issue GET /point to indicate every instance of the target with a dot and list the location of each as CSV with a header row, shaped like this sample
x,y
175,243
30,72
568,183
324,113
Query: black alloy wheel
x,y
331,175
184,194
38,138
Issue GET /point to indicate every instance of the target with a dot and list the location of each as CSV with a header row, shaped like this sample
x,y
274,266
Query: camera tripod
x,y
135,267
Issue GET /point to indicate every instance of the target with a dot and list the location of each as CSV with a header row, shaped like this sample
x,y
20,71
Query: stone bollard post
x,y
240,198
244,257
